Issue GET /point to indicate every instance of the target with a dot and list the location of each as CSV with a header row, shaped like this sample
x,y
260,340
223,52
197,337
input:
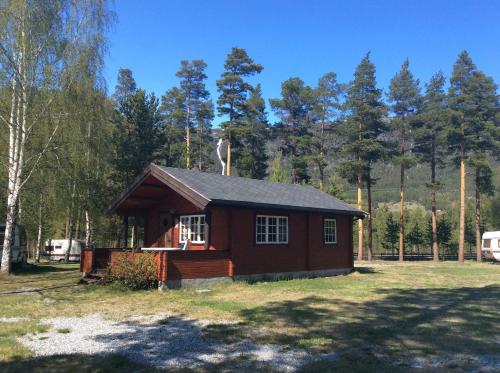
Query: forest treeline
x,y
68,147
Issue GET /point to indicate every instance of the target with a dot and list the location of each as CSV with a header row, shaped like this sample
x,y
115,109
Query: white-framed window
x,y
271,229
192,227
330,230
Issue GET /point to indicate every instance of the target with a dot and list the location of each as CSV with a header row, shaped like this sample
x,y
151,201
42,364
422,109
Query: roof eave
x,y
168,180
243,204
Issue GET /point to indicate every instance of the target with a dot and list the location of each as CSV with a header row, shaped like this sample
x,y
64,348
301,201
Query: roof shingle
x,y
240,191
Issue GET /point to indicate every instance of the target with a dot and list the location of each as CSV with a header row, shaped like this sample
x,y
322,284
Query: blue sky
x,y
300,38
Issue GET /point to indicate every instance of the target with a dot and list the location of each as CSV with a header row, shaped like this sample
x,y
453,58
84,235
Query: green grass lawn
x,y
378,318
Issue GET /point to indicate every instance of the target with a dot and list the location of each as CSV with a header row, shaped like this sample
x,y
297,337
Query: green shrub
x,y
135,270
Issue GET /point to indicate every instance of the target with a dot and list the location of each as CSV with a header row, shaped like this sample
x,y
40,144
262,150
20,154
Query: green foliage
x,y
244,108
334,188
277,173
416,236
431,126
197,107
391,234
137,135
363,145
135,270
253,134
295,110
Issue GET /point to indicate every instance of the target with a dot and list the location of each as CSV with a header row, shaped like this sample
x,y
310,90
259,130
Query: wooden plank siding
x,y
194,264
86,260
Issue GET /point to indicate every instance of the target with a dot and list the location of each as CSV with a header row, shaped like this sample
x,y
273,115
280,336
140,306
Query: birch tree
x,y
40,44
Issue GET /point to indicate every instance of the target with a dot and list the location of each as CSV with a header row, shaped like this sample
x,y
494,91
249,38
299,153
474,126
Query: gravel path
x,y
164,342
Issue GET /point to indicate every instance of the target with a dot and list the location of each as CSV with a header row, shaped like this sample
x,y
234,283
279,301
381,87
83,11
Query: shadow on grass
x,y
34,269
367,270
37,289
383,334
74,363
446,328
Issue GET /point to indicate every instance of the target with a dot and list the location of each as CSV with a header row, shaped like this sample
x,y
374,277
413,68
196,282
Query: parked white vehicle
x,y
18,249
56,250
490,245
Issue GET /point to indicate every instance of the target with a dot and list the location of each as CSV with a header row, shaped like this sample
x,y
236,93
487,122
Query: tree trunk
x,y
188,134
478,216
360,221
66,234
39,236
77,224
133,239
401,215
88,232
435,246
462,205
70,238
200,150
370,217
5,266
228,161
322,157
17,138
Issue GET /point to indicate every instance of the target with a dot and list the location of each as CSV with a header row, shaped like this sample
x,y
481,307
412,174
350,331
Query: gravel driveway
x,y
161,341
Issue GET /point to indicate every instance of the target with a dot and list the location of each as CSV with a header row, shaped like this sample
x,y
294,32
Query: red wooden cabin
x,y
207,226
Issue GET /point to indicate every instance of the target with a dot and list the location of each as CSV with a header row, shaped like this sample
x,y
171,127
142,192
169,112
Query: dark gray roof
x,y
240,191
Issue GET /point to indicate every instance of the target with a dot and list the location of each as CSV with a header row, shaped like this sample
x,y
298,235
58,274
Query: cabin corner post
x,y
125,231
207,228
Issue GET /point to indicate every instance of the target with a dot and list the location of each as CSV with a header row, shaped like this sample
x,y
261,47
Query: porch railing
x,y
171,265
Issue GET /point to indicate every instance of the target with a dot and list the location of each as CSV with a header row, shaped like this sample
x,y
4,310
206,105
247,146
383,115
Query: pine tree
x,y
204,117
173,124
334,188
328,109
487,130
234,93
430,140
277,173
125,85
192,85
416,236
474,132
391,234
444,233
295,110
138,124
363,144
404,94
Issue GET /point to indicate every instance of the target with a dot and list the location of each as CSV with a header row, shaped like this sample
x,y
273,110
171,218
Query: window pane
x,y
330,234
487,243
283,230
193,228
272,229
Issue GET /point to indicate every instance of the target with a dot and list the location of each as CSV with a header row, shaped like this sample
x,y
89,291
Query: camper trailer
x,y
18,248
490,245
56,250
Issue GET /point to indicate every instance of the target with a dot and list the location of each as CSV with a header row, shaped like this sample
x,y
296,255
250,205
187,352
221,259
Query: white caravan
x,y
18,248
490,245
56,250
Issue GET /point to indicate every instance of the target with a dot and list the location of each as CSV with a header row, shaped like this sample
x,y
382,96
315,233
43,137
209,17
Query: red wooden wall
x,y
305,249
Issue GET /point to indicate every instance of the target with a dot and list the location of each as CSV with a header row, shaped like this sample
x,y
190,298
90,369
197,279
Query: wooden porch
x,y
175,268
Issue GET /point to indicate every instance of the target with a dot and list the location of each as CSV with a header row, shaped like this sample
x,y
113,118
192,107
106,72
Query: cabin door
x,y
166,229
